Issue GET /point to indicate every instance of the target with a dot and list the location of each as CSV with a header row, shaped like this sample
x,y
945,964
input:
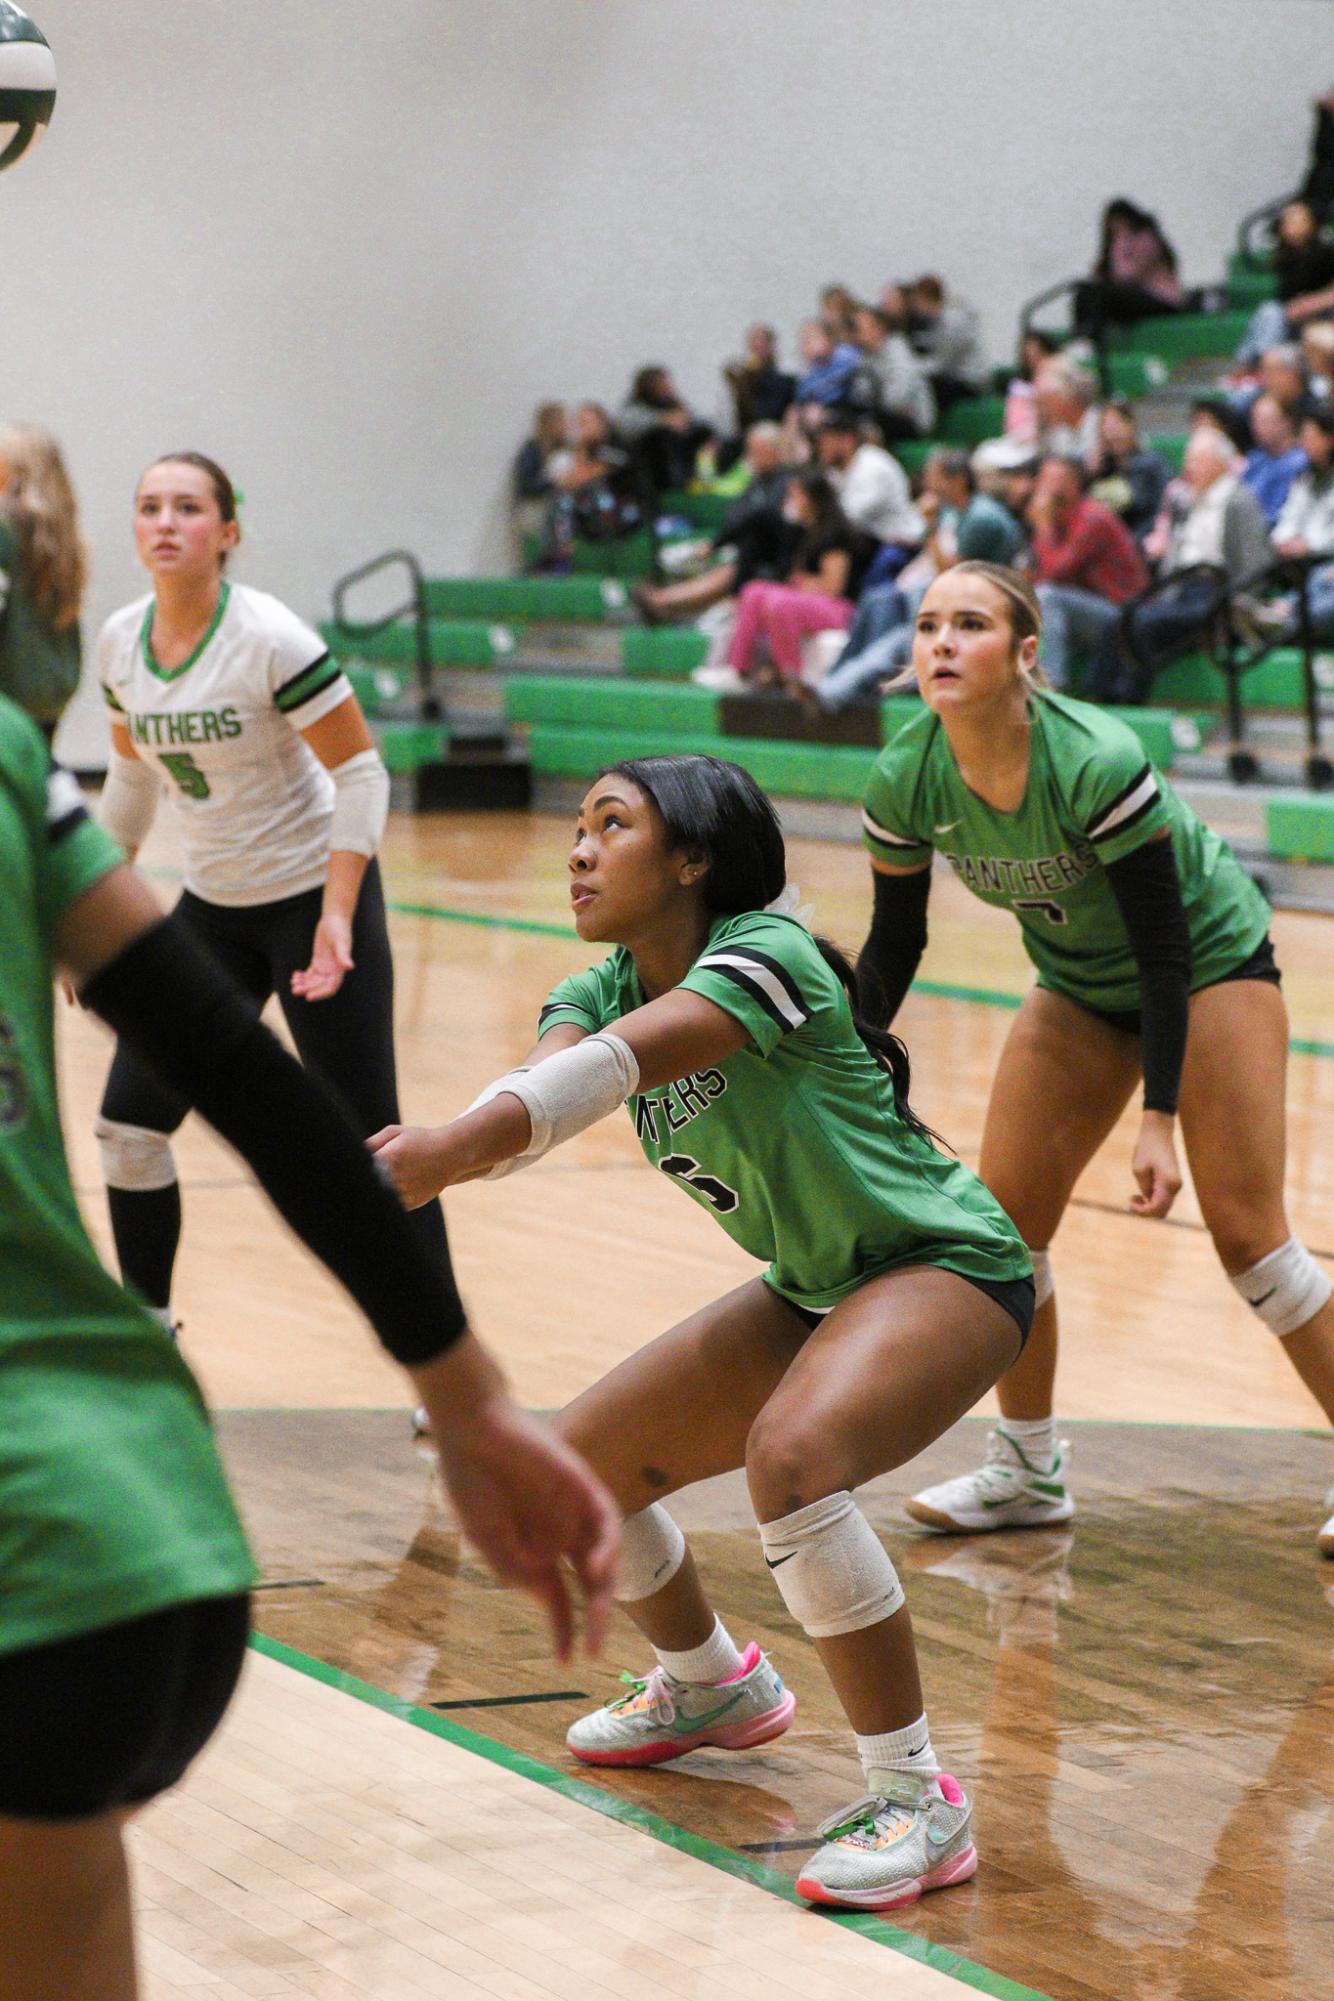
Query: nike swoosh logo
x,y
1264,1296
774,1561
949,829
685,1726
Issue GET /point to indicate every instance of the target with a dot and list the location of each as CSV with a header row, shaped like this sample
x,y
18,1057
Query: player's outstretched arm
x,y
563,1091
526,1500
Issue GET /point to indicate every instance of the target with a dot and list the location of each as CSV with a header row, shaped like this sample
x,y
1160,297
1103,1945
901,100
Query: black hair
x,y
1120,209
715,809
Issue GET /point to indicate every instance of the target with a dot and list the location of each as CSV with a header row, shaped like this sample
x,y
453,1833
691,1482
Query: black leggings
x,y
348,1040
112,1718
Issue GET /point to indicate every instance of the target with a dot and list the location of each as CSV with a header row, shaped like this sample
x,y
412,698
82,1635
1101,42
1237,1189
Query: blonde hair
x,y
1025,614
40,503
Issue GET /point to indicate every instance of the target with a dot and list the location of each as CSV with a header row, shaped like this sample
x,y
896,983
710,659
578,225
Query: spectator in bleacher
x,y
1124,474
838,310
891,383
1065,398
753,541
945,332
827,567
1021,413
1135,275
1085,564
597,494
761,391
872,488
1282,375
1220,523
1318,187
961,523
1275,459
829,367
1318,361
1219,414
1305,528
659,431
1007,470
537,463
1303,263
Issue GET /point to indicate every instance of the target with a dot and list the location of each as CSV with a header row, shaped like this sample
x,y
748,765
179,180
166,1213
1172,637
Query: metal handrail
x,y
415,604
1066,288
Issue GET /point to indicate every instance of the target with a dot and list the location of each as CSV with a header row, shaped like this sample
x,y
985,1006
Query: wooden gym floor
x,y
1144,1704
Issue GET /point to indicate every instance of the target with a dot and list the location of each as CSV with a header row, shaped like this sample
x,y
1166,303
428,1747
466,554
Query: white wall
x,y
347,247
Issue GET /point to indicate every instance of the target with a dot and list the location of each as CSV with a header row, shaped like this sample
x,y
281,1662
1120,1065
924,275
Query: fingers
x,y
552,1593
595,1567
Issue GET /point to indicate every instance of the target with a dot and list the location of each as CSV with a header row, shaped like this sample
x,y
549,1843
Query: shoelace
x,y
861,1816
660,1707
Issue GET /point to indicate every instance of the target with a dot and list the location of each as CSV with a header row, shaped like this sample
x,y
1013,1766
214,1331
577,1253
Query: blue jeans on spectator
x,y
888,560
1320,607
1268,327
1073,620
879,643
1160,628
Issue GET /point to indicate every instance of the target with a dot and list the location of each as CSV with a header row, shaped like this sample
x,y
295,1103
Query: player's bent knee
x,y
831,1567
652,1551
134,1158
787,1457
1286,1289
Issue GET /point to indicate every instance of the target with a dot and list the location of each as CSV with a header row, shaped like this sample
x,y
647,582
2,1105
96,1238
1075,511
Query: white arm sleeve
x,y
129,800
361,804
565,1095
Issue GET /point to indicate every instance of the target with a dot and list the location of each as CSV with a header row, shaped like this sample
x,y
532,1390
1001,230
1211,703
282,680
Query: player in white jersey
x,y
224,699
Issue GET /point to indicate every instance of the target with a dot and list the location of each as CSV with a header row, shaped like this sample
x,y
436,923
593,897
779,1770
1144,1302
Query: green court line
x,y
877,1930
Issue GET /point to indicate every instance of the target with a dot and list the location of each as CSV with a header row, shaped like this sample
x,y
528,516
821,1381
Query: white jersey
x,y
252,800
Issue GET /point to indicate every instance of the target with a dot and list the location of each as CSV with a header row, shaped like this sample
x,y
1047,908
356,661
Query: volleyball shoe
x,y
907,1835
660,1718
1007,1491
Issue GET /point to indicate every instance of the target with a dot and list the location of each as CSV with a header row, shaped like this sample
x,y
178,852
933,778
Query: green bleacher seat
x,y
664,652
705,511
1276,683
972,419
550,600
1169,445
1248,289
608,702
807,770
912,454
629,560
405,747
1299,826
1136,374
454,642
1181,336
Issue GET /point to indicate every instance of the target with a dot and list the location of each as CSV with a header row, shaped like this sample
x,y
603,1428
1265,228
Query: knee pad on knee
x,y
1286,1289
134,1158
1044,1285
652,1551
831,1567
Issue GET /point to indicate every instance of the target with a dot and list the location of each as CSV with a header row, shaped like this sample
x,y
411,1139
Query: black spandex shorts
x,y
1261,965
113,1718
1017,1295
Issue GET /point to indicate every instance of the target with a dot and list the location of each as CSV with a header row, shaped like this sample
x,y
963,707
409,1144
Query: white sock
x,y
1035,1437
714,1660
907,1750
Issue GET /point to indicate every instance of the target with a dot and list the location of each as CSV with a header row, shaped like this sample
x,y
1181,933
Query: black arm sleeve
x,y
894,945
177,1009
1147,889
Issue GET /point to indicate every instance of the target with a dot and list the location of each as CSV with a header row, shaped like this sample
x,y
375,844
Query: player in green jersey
x,y
1142,926
896,1290
124,1572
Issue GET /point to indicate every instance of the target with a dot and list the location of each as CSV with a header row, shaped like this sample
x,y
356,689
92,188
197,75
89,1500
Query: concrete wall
x,y
347,248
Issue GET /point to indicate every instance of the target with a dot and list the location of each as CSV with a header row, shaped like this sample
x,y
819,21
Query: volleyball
x,y
27,84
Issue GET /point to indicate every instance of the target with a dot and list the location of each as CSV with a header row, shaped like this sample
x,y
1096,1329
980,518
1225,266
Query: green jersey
x,y
1091,797
794,1143
112,1501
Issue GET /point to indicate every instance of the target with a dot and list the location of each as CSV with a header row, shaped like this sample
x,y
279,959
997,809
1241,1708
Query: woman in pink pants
x,y
827,565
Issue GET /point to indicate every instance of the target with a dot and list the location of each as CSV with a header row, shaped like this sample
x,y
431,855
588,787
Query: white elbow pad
x,y
502,1167
361,804
572,1090
129,800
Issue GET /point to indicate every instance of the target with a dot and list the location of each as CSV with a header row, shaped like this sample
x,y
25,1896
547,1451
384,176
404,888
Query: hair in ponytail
x,y
715,808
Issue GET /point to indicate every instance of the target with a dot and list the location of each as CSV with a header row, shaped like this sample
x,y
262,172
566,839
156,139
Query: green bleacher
x,y
1177,337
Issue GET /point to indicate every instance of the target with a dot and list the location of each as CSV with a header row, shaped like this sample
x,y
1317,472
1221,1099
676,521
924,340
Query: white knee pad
x,y
1043,1282
652,1551
1286,1288
831,1567
134,1158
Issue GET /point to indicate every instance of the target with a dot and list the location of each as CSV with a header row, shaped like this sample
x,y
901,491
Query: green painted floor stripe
x,y
877,1930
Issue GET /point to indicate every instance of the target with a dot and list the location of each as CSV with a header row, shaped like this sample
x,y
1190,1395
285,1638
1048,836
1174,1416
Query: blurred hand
x,y
330,960
413,1160
1155,1166
525,1500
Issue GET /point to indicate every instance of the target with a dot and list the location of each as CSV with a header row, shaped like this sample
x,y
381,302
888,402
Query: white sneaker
x,y
723,680
662,1718
1006,1492
905,1836
1325,1540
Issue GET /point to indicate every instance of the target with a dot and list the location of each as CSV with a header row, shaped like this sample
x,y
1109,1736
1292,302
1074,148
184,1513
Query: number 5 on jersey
x,y
187,774
716,1193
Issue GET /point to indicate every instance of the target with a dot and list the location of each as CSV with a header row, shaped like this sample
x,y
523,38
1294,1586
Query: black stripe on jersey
x,y
1114,833
1099,830
111,701
65,809
311,681
553,1008
756,992
770,964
